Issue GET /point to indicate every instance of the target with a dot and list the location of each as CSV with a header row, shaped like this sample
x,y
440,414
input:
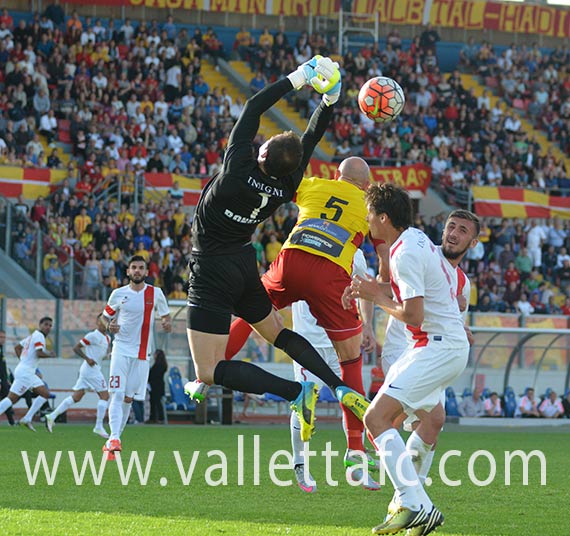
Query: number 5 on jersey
x,y
336,204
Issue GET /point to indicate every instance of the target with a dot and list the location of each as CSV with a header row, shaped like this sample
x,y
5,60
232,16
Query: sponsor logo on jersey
x,y
327,227
241,219
315,241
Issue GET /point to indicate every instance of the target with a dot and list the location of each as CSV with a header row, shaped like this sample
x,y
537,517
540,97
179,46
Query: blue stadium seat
x,y
486,393
179,399
509,392
327,397
467,392
510,406
451,407
268,397
449,392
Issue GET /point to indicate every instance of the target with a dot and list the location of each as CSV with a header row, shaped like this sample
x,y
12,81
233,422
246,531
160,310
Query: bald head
x,y
354,170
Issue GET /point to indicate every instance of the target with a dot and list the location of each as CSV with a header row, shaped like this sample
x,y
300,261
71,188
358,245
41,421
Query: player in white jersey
x,y
306,325
460,234
424,284
92,348
30,350
129,315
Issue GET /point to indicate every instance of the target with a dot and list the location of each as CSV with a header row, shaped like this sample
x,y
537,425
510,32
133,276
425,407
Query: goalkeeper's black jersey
x,y
241,196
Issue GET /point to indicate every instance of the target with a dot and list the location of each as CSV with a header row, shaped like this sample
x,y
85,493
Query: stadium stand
x,y
142,97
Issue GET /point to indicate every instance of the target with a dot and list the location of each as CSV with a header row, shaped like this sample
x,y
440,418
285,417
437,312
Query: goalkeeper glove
x,y
320,73
331,96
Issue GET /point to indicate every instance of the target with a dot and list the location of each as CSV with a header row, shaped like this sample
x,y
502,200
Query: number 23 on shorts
x,y
114,382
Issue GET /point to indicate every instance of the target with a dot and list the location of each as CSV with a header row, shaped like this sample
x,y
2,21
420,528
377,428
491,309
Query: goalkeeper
x,y
224,278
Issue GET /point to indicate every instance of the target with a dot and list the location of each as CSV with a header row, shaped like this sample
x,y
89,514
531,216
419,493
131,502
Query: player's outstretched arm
x,y
317,72
320,120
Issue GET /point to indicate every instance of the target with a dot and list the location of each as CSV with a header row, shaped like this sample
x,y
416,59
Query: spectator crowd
x,y
129,98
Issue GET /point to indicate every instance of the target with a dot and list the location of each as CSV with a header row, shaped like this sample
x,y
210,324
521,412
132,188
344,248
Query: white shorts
x,y
129,375
411,419
419,376
389,359
24,379
331,359
92,382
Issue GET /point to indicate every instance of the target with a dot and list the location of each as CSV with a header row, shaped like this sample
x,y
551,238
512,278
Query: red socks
x,y
239,332
351,374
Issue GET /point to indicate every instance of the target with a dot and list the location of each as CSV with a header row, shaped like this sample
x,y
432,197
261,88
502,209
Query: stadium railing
x,y
509,350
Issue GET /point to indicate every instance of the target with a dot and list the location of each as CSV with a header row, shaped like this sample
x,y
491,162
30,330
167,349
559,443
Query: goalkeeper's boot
x,y
304,407
435,519
308,485
353,400
196,390
403,518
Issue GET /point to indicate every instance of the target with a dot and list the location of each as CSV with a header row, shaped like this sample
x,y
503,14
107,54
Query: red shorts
x,y
297,275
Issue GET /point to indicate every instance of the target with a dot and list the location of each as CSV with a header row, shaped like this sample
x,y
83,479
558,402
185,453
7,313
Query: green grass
x,y
114,509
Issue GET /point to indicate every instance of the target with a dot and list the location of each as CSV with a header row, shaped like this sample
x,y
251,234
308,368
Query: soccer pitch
x,y
170,505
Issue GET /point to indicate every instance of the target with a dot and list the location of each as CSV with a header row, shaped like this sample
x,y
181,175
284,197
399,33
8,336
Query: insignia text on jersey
x,y
268,189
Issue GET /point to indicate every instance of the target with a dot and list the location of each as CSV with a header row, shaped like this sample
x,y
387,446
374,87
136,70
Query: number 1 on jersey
x,y
264,202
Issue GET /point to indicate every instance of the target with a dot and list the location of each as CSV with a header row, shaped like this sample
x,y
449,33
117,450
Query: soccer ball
x,y
381,99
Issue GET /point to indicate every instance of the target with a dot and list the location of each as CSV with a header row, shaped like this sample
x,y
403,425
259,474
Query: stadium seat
x,y
509,406
467,392
451,406
268,397
327,397
486,393
179,399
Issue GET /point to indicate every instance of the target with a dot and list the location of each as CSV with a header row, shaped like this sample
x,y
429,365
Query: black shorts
x,y
222,285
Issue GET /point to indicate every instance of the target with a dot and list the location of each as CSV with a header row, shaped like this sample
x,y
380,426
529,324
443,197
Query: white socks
x,y
400,469
418,450
126,414
101,409
426,466
5,405
296,442
63,407
116,414
35,407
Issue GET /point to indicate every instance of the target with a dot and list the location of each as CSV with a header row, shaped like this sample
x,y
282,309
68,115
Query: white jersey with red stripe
x,y
464,288
135,311
95,346
30,346
418,270
305,323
